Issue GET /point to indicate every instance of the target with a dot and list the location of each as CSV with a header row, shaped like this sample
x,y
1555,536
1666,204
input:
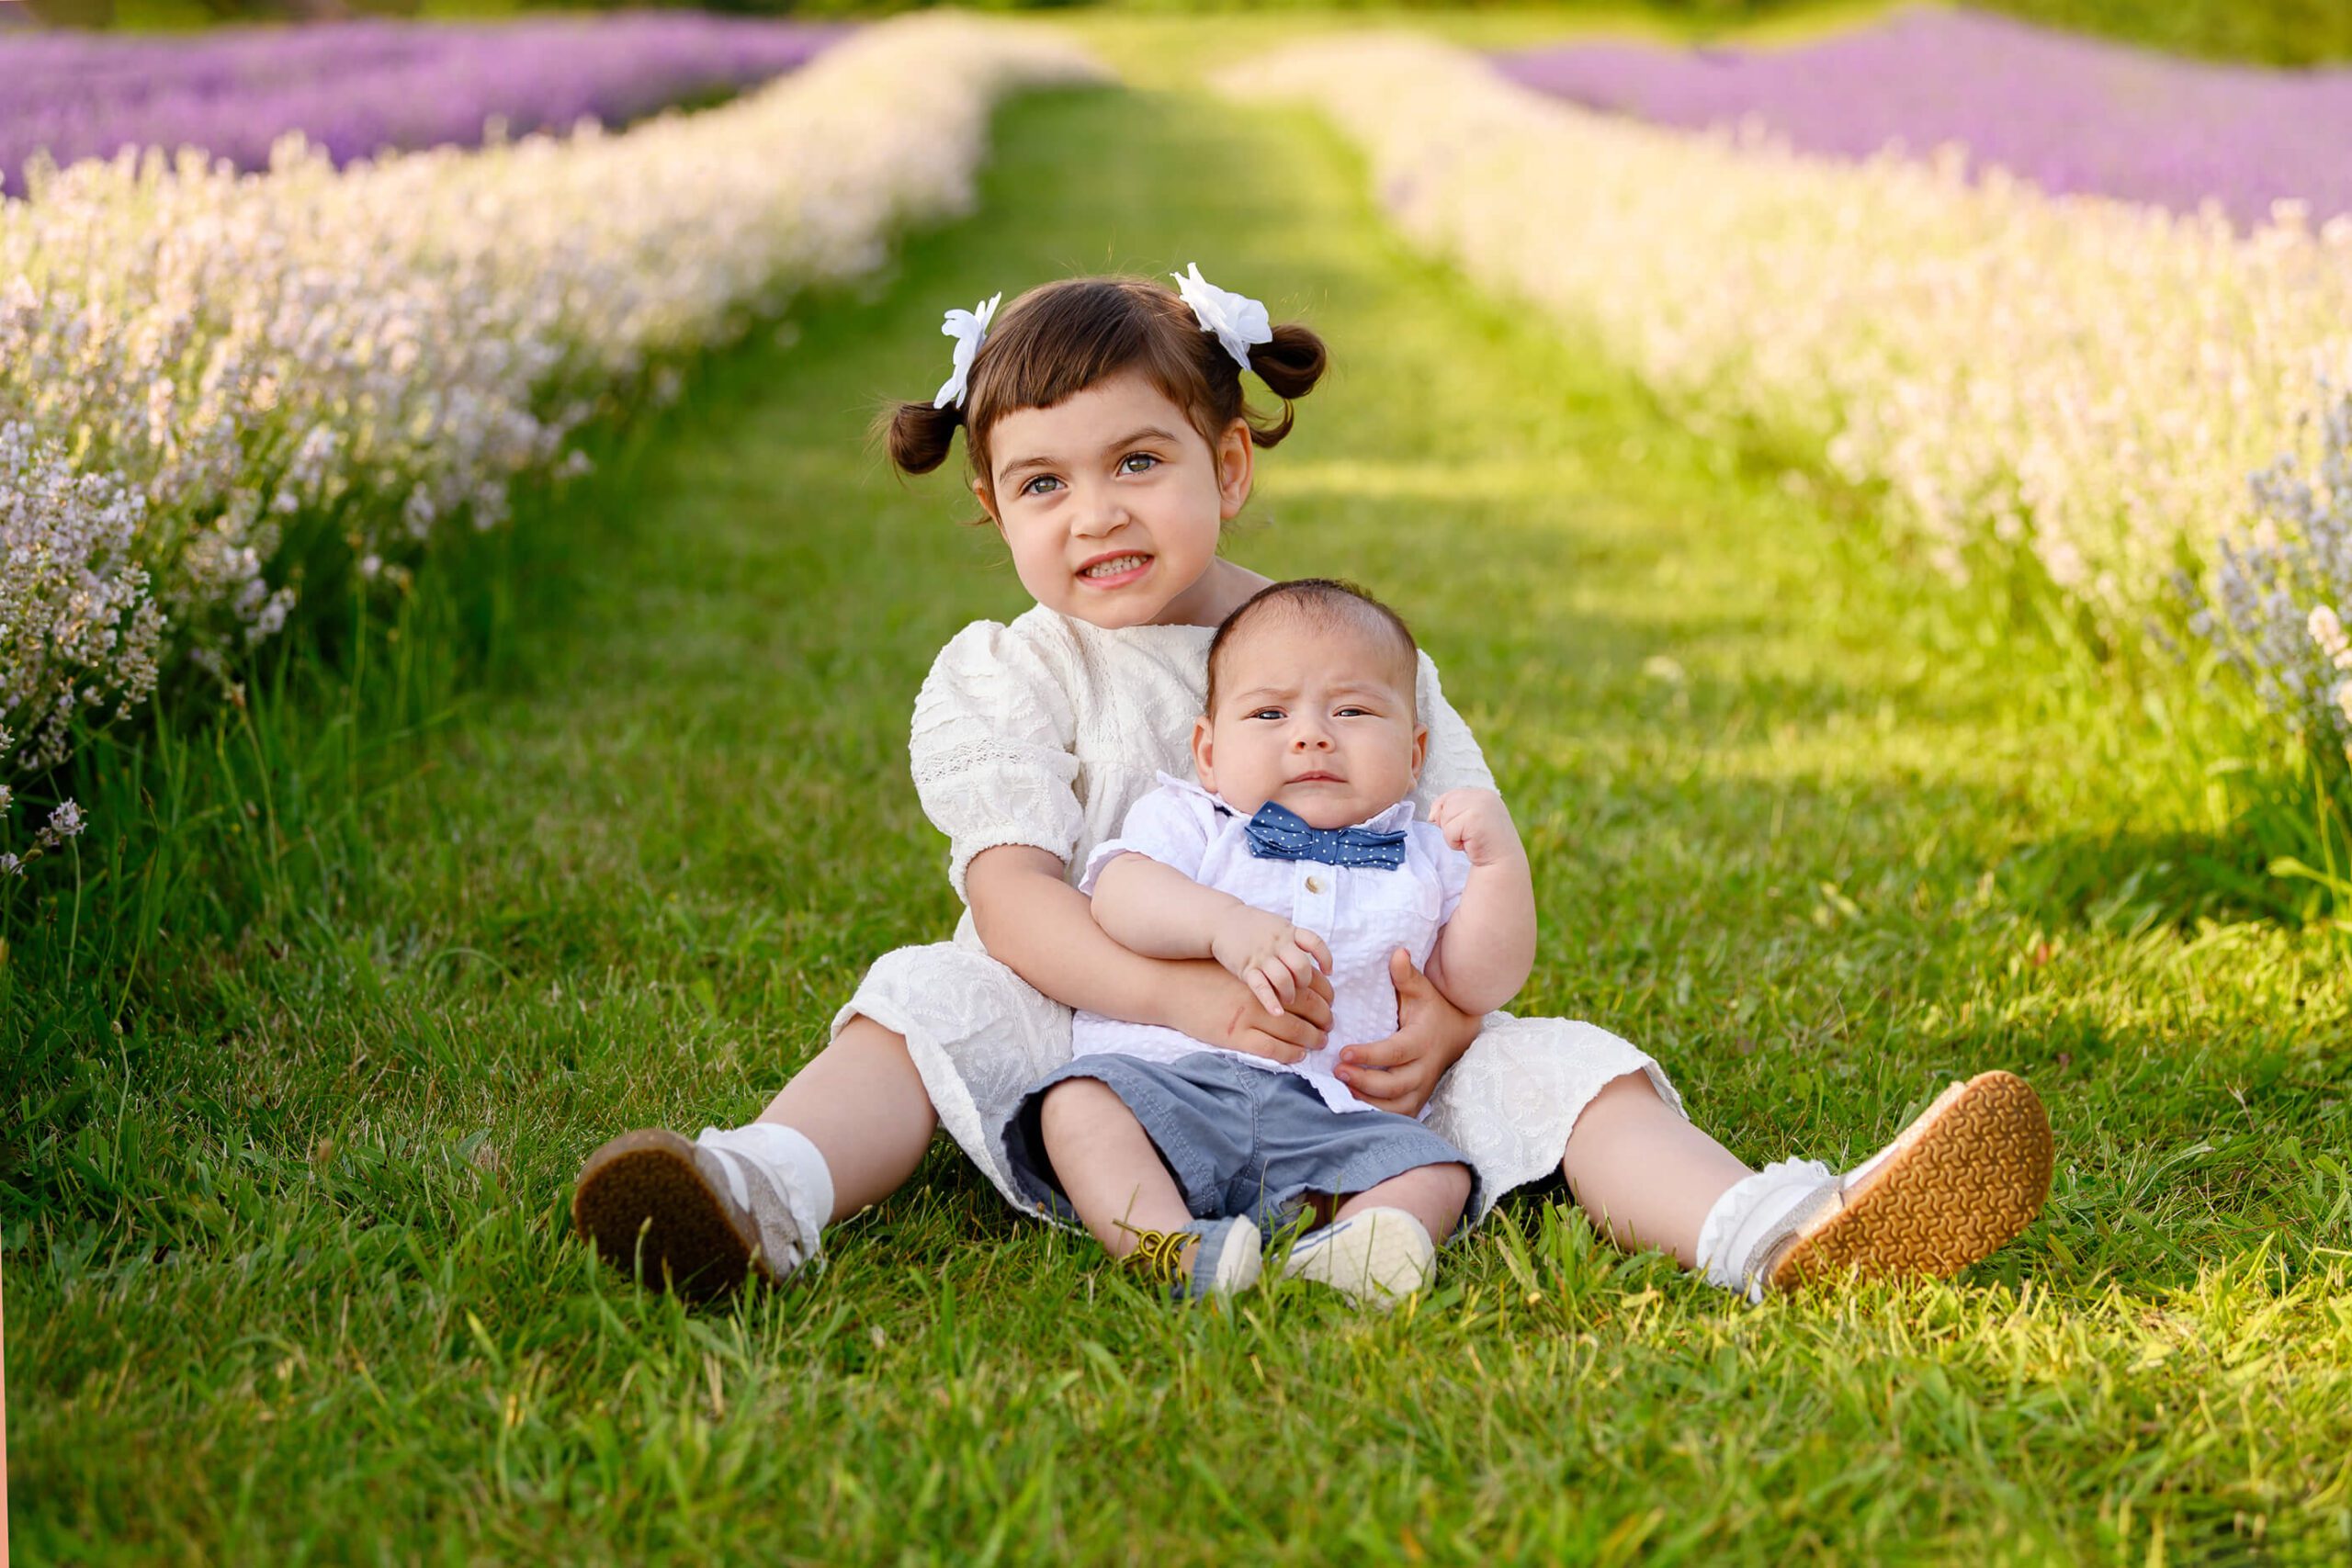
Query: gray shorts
x,y
1238,1139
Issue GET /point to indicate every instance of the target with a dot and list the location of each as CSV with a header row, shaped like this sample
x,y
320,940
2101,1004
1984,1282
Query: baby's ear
x,y
1204,746
1420,748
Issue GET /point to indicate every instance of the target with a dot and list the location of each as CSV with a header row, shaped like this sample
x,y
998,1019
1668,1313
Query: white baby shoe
x,y
1375,1258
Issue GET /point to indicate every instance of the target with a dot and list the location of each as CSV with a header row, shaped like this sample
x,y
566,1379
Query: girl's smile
x,y
1115,571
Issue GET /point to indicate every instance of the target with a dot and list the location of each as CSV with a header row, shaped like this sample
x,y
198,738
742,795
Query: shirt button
x,y
1314,884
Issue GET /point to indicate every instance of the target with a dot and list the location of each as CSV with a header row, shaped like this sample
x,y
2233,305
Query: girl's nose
x,y
1107,517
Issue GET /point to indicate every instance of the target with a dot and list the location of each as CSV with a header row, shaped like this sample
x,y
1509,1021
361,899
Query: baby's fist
x,y
1476,822
1275,959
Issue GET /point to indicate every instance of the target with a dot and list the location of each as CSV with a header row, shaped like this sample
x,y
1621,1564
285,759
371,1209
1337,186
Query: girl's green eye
x,y
1030,487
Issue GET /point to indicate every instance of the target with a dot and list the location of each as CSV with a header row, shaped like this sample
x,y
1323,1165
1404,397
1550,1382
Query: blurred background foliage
x,y
2272,32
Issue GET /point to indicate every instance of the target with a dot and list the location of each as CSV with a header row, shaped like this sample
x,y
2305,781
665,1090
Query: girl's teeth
x,y
1113,568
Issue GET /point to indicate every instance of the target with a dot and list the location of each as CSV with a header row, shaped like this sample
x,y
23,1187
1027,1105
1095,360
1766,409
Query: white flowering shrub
x,y
77,628
2087,378
191,359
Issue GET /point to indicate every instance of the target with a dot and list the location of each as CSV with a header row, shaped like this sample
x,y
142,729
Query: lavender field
x,y
356,88
2072,114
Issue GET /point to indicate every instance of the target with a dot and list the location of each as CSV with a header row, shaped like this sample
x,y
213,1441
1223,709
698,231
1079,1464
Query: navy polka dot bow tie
x,y
1279,833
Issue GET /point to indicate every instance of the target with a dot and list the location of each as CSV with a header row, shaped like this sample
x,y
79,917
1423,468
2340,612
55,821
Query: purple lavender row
x,y
2069,113
356,88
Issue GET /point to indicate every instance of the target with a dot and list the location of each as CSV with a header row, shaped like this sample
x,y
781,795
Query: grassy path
x,y
287,1267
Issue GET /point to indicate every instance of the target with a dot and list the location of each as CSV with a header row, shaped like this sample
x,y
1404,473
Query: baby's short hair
x,y
1325,600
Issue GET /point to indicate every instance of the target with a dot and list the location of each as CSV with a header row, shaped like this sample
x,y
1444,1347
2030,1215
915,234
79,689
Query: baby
x,y
1297,863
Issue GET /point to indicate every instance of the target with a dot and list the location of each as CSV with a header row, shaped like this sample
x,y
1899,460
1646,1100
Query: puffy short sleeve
x,y
1453,760
1171,825
992,748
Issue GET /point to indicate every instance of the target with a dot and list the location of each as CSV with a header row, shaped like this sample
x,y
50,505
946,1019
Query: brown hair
x,y
1325,600
1060,338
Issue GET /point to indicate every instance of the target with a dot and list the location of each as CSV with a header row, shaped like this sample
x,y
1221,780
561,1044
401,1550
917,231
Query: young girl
x,y
1109,443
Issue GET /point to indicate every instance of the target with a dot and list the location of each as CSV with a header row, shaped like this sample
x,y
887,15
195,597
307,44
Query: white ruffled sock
x,y
796,1172
1732,1236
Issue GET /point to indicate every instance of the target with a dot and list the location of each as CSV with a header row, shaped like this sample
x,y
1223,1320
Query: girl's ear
x,y
1203,748
1236,456
988,502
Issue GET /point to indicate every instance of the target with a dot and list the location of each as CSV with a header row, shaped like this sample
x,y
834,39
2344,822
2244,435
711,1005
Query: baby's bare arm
x,y
1040,927
1158,910
1486,951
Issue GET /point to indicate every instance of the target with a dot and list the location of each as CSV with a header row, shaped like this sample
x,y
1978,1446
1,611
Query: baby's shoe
x,y
1374,1259
734,1201
1964,1178
1228,1260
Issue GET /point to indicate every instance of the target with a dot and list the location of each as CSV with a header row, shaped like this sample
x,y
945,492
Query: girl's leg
x,y
1646,1175
1108,1166
1961,1180
862,1103
701,1214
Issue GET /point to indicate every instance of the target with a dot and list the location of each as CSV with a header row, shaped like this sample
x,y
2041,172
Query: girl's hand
x,y
1476,822
1217,1009
1275,959
1400,1073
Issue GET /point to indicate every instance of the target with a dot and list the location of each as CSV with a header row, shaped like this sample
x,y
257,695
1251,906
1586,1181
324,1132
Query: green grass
x,y
609,828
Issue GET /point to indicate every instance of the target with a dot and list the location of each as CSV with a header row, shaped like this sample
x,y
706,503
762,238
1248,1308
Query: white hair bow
x,y
969,329
1235,319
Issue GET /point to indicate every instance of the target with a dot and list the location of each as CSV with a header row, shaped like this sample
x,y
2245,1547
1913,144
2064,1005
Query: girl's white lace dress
x,y
1044,732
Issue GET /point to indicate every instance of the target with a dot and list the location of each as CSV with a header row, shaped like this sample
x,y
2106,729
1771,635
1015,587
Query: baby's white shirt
x,y
1363,914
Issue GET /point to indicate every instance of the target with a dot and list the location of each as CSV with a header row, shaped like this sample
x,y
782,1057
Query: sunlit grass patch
x,y
606,835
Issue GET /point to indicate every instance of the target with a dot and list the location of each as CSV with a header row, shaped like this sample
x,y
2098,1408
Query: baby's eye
x,y
1137,458
1354,712
1264,713
1031,487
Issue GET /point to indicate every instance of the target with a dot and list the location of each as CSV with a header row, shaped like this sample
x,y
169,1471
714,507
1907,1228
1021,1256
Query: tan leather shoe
x,y
655,1197
1959,1184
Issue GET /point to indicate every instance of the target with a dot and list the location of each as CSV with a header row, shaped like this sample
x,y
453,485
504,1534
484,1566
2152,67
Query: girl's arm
x,y
1042,929
1483,955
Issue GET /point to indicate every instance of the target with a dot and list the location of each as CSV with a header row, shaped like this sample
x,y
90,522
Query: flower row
x,y
2090,380
192,361
2069,113
356,89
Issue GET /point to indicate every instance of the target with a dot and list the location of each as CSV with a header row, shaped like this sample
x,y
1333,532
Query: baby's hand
x,y
1476,822
1266,953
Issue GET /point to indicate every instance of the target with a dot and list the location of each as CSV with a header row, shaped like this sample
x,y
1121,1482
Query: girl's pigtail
x,y
919,436
1290,364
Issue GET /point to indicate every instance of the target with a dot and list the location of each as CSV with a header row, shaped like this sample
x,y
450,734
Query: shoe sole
x,y
1960,1183
1381,1257
644,1190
